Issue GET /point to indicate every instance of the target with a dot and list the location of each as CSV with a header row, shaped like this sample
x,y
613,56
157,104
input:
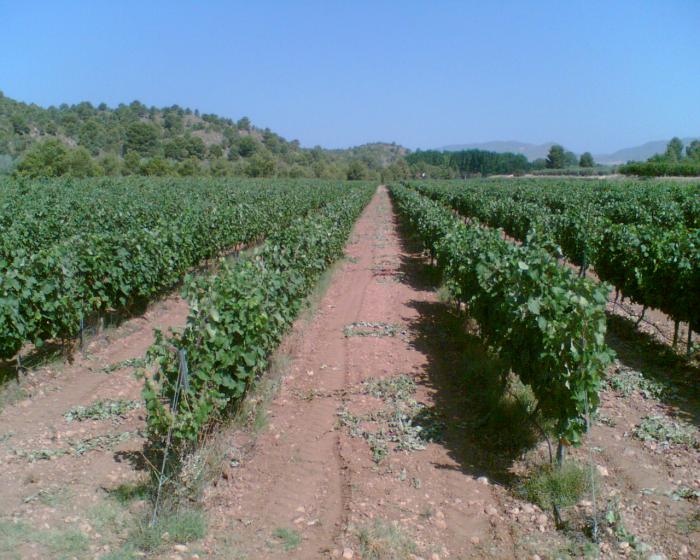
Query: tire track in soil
x,y
306,474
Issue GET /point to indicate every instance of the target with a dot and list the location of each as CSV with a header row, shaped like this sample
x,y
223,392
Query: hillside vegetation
x,y
84,140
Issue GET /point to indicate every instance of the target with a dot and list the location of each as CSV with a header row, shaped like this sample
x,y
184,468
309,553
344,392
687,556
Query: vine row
x,y
647,246
547,323
142,247
237,318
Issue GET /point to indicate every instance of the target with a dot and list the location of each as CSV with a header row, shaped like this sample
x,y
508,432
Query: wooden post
x,y
689,345
560,462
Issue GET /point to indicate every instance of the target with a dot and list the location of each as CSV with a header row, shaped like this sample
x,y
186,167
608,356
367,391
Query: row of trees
x,y
675,152
451,164
465,162
677,160
560,158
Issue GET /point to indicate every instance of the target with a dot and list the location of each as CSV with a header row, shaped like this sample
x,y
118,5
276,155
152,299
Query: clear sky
x,y
594,75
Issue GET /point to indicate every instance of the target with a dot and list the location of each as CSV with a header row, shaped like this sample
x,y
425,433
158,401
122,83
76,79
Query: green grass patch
x,y
126,552
65,544
384,541
12,536
130,491
289,538
61,544
181,527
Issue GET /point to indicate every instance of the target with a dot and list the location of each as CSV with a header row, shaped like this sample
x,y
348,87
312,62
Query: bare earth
x,y
36,426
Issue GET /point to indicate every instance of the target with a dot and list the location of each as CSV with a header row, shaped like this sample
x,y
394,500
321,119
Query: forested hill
x,y
86,140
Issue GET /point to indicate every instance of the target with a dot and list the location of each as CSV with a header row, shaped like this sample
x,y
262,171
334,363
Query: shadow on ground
x,y
487,426
12,371
656,361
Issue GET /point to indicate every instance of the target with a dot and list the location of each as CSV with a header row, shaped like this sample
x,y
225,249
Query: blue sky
x,y
594,75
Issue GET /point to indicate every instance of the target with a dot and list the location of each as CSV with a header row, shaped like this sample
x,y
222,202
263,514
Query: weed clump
x,y
384,541
404,422
364,328
397,388
131,362
626,381
552,486
181,527
289,538
128,492
666,431
101,410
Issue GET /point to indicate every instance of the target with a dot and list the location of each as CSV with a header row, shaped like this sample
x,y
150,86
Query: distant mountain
x,y
530,151
535,151
638,153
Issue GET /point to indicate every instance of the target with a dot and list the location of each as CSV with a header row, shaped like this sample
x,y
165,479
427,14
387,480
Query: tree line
x,y
464,163
677,160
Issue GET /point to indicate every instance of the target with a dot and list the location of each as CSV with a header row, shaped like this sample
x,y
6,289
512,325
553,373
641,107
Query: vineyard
x,y
72,249
460,361
380,281
644,239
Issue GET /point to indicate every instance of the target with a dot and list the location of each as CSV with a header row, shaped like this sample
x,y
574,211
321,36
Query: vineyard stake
x,y
82,328
183,374
560,463
590,462
584,265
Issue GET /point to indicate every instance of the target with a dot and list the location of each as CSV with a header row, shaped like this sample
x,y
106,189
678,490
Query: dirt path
x,y
309,477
